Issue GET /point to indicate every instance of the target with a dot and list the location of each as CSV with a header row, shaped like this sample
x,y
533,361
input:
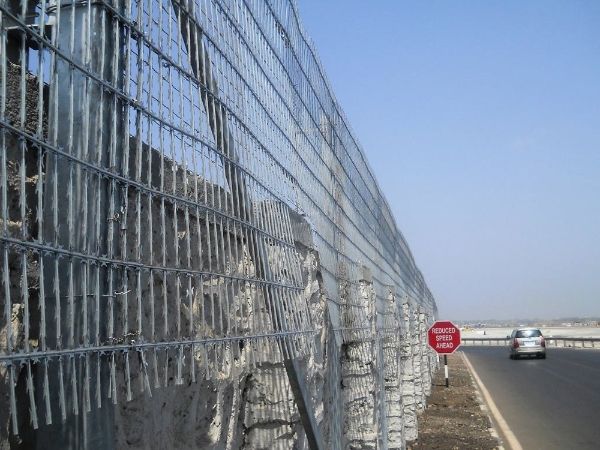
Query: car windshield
x,y
528,333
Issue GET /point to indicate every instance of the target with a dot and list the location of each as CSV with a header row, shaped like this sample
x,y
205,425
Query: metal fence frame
x,y
158,158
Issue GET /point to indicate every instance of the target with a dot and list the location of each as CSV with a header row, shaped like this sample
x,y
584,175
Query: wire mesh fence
x,y
159,159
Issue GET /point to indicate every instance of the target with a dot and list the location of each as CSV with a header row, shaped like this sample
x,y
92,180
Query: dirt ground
x,y
454,418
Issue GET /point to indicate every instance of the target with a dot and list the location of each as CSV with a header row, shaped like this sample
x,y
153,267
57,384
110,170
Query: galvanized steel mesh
x,y
152,155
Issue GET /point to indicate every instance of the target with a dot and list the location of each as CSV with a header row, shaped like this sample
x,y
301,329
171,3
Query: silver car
x,y
526,342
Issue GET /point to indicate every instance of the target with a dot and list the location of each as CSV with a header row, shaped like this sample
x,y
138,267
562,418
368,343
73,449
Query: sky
x,y
481,121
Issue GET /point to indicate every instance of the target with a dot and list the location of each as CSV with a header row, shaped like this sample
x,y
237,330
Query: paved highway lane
x,y
548,404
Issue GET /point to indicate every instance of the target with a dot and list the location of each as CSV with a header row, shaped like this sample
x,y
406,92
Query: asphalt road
x,y
548,404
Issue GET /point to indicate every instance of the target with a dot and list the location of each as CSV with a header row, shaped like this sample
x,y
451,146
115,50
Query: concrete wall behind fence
x,y
194,252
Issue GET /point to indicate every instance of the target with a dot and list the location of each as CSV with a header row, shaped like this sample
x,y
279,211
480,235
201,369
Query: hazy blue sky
x,y
481,121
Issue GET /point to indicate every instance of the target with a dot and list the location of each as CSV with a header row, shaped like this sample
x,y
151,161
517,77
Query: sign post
x,y
444,338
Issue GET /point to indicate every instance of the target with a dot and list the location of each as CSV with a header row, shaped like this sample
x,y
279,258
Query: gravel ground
x,y
455,418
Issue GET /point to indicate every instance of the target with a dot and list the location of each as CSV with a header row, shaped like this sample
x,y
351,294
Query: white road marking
x,y
510,437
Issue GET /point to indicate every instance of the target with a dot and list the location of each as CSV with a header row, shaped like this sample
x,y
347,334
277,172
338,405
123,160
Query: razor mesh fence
x,y
159,159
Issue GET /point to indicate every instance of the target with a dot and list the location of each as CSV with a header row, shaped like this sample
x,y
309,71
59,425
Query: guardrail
x,y
554,341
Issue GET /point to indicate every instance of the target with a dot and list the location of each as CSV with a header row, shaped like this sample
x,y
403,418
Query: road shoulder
x,y
455,417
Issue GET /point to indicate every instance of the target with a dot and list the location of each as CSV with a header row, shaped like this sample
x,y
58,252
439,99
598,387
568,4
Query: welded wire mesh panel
x,y
144,223
151,152
351,218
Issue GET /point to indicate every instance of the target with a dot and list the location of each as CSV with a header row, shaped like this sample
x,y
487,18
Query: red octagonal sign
x,y
444,337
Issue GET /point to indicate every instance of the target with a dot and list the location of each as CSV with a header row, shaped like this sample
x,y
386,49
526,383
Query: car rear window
x,y
528,333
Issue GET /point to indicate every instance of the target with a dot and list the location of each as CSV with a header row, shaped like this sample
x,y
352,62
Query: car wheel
x,y
543,356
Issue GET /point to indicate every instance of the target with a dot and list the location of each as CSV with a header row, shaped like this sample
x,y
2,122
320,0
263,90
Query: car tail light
x,y
516,344
543,342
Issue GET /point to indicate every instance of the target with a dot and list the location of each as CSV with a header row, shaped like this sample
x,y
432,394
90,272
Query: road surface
x,y
548,404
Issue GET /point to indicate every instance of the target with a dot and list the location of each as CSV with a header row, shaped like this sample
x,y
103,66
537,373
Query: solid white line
x,y
510,437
